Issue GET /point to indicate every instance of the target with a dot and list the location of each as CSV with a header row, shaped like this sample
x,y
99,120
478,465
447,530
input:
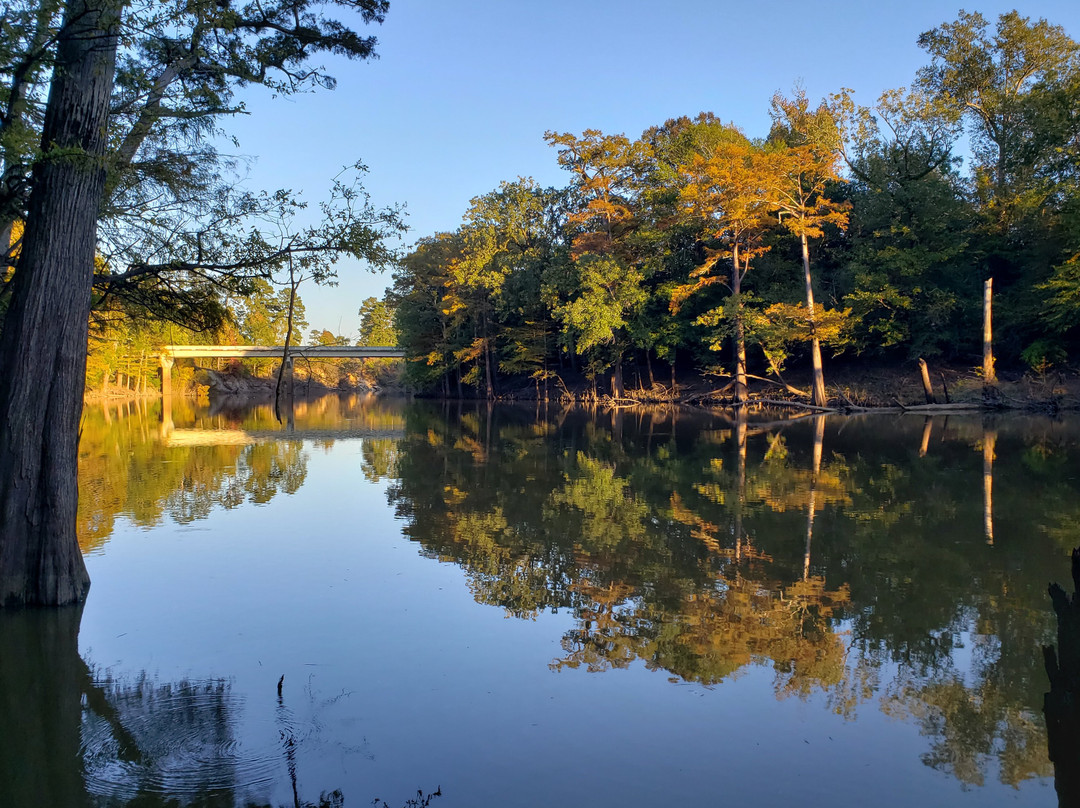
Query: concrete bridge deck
x,y
272,351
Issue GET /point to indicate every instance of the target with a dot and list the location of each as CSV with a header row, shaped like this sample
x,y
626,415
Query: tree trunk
x,y
989,374
43,345
293,283
928,389
617,389
740,330
488,371
818,398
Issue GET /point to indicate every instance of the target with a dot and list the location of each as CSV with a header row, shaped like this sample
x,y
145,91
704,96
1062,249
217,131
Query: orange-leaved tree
x,y
727,191
801,166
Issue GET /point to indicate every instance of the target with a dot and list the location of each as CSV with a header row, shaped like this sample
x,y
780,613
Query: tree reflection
x,y
853,564
126,469
73,738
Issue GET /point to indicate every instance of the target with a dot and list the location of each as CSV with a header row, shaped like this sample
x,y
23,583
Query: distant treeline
x,y
864,230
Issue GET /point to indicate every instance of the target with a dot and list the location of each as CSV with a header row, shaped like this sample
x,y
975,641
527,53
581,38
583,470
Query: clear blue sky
x,y
463,92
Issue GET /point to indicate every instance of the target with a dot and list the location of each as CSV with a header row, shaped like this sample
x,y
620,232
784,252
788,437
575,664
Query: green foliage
x,y
1063,296
1043,354
377,323
778,329
609,293
262,316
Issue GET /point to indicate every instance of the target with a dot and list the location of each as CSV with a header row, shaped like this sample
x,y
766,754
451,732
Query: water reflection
x,y
850,559
85,739
150,464
897,566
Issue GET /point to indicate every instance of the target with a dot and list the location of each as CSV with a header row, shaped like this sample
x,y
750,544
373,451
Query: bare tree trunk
x,y
488,371
989,374
928,389
43,345
818,397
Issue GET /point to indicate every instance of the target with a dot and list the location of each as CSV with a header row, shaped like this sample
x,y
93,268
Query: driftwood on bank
x,y
932,408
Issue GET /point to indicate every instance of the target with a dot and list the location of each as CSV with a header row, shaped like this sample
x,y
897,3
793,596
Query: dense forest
x,y
869,231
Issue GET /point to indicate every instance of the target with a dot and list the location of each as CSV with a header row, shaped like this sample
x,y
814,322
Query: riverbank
x,y
850,387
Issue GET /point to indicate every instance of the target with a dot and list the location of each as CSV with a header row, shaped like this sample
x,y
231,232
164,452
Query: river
x,y
523,606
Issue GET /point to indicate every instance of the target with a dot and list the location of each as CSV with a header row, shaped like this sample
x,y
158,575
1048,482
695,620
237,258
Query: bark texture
x,y
43,345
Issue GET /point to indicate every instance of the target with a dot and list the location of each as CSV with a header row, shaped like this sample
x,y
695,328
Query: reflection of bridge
x,y
170,353
244,437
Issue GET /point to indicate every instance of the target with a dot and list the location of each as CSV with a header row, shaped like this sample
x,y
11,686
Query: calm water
x,y
539,608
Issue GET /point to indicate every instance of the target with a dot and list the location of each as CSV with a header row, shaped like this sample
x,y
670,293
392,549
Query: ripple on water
x,y
179,740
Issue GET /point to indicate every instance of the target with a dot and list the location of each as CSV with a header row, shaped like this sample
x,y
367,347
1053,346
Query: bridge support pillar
x,y
166,363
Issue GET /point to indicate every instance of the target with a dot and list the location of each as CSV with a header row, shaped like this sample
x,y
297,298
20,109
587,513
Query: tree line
x,y
865,230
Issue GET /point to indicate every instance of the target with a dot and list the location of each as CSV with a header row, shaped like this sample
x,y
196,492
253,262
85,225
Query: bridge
x,y
244,437
170,353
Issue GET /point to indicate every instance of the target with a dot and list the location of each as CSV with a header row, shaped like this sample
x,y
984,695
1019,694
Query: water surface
x,y
540,607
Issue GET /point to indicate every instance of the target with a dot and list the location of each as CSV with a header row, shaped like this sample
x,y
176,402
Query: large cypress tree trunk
x,y
43,345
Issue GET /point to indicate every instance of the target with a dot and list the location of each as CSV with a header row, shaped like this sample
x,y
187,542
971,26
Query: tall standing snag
x,y
43,344
989,374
